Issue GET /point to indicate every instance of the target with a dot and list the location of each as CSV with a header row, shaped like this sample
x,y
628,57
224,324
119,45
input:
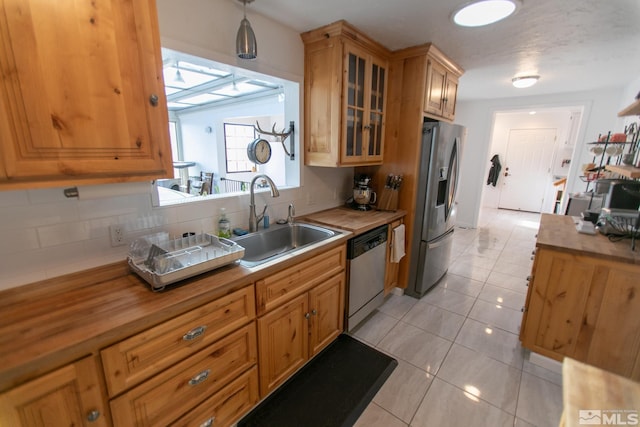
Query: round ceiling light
x,y
524,81
484,12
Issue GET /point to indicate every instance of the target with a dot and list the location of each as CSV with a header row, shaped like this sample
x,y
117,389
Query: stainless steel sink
x,y
280,240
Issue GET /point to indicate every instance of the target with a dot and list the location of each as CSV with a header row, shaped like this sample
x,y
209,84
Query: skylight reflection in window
x,y
240,89
203,98
193,82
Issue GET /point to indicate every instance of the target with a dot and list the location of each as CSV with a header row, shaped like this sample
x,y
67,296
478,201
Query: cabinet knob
x,y
367,127
202,376
307,315
528,278
153,100
208,423
93,416
314,312
194,333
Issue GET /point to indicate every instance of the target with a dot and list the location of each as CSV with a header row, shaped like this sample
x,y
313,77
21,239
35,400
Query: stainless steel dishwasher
x,y
367,254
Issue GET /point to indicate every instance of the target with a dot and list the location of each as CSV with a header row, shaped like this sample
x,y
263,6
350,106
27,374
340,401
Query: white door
x,y
526,171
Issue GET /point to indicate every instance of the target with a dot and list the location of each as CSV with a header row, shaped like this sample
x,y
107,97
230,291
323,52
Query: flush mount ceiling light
x,y
246,44
484,12
524,81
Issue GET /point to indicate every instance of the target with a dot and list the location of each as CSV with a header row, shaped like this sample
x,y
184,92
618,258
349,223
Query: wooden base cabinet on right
x,y
586,308
307,315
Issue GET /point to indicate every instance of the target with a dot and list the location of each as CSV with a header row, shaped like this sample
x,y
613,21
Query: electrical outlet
x,y
117,235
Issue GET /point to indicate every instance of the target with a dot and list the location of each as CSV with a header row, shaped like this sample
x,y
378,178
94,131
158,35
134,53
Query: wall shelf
x,y
631,110
624,170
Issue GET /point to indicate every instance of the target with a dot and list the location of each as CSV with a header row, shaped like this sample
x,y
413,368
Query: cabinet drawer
x,y
226,406
135,359
281,287
172,393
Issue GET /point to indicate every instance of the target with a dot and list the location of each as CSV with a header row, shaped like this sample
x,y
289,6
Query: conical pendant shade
x,y
246,45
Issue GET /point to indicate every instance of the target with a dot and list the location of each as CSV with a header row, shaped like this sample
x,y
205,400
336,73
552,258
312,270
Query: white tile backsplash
x,y
54,235
45,234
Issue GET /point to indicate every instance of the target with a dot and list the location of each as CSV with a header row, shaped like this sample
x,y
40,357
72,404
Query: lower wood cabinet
x,y
303,324
143,355
227,405
170,394
205,367
586,308
283,342
70,396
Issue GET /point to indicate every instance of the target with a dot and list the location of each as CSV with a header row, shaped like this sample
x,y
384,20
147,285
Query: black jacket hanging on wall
x,y
494,172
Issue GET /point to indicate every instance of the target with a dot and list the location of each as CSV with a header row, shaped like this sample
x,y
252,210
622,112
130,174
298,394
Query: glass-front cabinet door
x,y
364,89
376,112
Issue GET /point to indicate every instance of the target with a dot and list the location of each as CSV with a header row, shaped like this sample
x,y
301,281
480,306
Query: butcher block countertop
x,y
354,220
589,394
558,232
57,321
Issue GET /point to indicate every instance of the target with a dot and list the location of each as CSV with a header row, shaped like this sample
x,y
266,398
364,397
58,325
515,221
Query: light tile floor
x,y
460,359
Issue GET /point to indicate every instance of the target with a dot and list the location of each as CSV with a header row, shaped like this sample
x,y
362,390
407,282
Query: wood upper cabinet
x,y
441,90
305,315
345,97
82,95
70,396
586,308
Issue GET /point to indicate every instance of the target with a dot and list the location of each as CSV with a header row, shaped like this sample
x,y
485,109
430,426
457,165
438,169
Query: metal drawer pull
x,y
93,416
202,376
208,423
194,333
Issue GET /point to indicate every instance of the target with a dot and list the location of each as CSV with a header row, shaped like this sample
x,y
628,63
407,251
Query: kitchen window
x,y
213,108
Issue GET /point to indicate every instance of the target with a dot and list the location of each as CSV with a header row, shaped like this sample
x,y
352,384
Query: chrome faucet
x,y
291,214
254,219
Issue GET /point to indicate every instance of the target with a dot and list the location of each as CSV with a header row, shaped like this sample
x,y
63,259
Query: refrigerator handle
x,y
452,178
440,240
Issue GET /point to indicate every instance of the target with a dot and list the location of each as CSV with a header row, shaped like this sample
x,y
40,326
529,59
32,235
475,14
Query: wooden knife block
x,y
388,200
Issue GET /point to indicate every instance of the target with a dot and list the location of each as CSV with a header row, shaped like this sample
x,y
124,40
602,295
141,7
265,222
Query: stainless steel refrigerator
x,y
435,214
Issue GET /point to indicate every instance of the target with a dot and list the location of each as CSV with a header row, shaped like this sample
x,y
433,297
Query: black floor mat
x,y
330,391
